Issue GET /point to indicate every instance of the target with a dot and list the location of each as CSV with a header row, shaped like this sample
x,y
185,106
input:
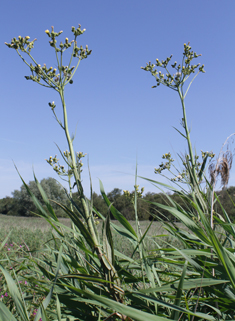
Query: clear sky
x,y
119,117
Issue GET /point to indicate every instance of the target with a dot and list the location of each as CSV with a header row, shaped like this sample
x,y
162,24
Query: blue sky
x,y
119,117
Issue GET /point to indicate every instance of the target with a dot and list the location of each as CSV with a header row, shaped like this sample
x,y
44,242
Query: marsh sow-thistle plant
x,y
197,212
193,171
57,79
176,81
82,215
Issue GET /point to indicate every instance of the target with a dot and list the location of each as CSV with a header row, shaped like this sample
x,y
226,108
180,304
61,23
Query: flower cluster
x,y
50,77
53,40
166,165
78,52
22,43
54,162
182,72
178,178
199,165
59,169
79,156
39,72
131,195
209,154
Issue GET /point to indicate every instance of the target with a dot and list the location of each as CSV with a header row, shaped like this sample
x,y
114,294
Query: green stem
x,y
77,175
187,135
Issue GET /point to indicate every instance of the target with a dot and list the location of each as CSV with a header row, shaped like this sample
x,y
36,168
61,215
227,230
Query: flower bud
x,y
48,32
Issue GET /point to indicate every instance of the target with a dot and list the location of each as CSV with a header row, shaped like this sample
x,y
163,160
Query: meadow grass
x,y
35,232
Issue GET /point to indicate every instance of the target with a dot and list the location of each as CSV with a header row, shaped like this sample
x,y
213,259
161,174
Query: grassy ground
x,y
34,232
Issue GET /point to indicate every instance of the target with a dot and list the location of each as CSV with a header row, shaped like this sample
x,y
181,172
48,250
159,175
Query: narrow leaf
x,y
118,216
5,314
16,296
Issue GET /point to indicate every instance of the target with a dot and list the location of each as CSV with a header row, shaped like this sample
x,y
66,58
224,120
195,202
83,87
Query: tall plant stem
x,y
188,136
76,173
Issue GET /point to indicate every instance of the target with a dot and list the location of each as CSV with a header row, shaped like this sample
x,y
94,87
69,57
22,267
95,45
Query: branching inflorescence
x,y
57,79
51,77
182,71
176,81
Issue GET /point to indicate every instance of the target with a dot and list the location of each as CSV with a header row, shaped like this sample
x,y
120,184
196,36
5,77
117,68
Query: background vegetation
x,y
21,204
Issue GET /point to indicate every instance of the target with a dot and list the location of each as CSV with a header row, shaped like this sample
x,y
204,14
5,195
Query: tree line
x,y
20,204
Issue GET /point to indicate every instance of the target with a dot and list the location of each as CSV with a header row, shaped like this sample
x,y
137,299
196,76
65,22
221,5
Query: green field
x,y
35,232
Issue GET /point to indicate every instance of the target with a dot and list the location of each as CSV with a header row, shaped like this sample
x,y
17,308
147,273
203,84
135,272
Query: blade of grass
x,y
46,301
5,240
118,216
203,316
187,285
175,314
16,296
5,314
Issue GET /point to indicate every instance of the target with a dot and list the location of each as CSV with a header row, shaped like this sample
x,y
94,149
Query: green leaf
x,y
156,183
35,200
136,314
175,314
16,296
5,240
202,168
218,248
46,301
118,216
119,229
186,220
44,315
108,244
45,199
187,285
5,314
180,132
79,224
58,308
203,316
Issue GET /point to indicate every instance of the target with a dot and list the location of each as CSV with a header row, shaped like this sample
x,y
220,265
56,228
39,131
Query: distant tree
x,y
121,203
114,194
156,212
99,204
23,204
6,204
